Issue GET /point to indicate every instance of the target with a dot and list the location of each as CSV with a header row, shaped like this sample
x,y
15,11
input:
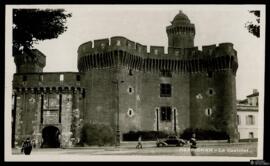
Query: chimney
x,y
255,91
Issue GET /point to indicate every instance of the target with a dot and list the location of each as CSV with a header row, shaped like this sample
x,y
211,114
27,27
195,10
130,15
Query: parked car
x,y
170,141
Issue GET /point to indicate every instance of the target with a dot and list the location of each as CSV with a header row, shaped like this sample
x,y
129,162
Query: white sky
x,y
146,25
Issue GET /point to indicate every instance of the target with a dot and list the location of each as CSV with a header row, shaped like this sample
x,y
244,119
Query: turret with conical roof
x,y
181,32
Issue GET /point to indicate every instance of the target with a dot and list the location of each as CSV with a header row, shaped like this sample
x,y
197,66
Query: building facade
x,y
120,84
247,117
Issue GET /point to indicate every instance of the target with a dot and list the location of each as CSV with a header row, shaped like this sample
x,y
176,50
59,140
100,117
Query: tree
x,y
254,28
33,25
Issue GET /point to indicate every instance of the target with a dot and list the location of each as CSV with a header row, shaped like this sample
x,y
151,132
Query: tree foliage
x,y
33,25
97,134
254,28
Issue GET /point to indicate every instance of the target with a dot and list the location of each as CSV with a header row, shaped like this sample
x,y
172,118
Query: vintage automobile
x,y
171,141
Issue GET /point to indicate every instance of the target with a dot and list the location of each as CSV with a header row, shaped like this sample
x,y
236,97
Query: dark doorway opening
x,y
50,137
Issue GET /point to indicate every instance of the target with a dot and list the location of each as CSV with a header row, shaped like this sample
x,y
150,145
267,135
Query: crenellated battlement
x,y
46,79
121,43
120,50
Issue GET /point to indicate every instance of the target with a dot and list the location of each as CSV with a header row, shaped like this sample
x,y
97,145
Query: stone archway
x,y
50,136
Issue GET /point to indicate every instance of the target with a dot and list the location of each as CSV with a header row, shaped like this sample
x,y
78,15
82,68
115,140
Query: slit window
x,y
208,111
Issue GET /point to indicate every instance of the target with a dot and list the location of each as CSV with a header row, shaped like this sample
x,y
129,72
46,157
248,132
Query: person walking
x,y
139,145
193,144
26,147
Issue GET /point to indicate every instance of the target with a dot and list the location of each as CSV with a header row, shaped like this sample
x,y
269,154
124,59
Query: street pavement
x,y
150,149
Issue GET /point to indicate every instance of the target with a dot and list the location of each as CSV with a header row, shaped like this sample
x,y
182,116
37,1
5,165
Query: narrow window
x,y
118,43
250,120
165,90
166,113
40,77
102,45
210,74
78,78
238,120
130,90
208,112
24,78
61,77
130,112
251,135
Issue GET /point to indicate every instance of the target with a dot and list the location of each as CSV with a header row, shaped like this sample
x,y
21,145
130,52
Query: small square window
x,y
165,90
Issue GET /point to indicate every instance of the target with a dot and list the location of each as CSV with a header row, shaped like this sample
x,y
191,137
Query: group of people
x,y
27,145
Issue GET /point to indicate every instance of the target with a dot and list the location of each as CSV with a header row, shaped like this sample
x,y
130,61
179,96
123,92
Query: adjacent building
x,y
247,117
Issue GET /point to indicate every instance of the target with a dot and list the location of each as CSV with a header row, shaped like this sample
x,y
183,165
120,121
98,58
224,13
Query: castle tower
x,y
181,33
30,61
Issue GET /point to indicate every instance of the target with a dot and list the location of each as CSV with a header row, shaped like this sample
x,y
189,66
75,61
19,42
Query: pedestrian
x,y
193,144
139,145
27,146
34,143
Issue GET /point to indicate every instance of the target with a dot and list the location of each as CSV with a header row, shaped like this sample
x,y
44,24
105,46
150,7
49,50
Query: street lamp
x,y
117,82
117,142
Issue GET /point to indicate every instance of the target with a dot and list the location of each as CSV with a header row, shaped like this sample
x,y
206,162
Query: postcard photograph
x,y
134,82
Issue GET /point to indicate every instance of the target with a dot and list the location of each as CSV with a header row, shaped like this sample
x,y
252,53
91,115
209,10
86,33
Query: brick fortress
x,y
121,84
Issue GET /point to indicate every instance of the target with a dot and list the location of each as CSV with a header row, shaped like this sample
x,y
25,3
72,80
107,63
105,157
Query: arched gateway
x,y
50,136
